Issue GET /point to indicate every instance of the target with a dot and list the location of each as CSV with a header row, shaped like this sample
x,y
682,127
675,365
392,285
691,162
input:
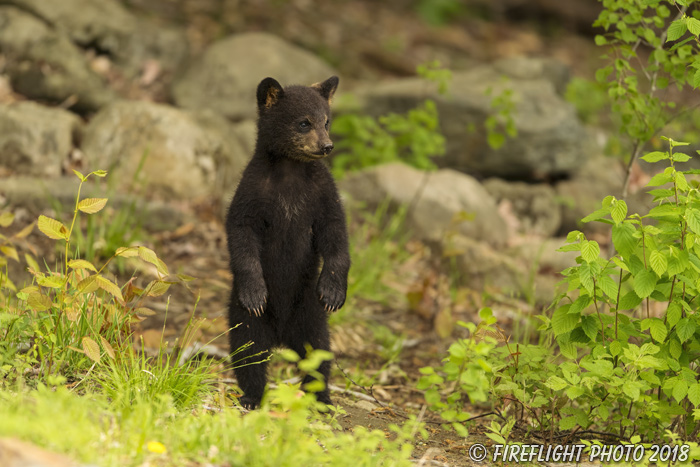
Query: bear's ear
x,y
269,92
327,88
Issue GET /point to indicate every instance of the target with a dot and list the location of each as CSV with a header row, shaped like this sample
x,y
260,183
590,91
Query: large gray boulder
x,y
109,28
181,155
550,139
46,65
442,203
226,76
36,140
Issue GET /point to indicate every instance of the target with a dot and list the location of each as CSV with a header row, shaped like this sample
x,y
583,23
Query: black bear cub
x,y
285,218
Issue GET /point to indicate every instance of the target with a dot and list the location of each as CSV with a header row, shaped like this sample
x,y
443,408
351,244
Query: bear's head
x,y
293,122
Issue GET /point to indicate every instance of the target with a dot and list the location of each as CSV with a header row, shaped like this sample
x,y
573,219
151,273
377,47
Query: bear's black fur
x,y
285,217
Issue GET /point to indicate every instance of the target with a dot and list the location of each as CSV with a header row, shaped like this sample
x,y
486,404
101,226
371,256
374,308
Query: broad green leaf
x,y
109,287
680,389
644,283
91,349
590,251
596,215
81,264
51,281
631,388
6,219
590,327
658,262
664,210
586,277
680,157
127,252
580,304
693,25
685,328
573,392
675,348
600,40
655,156
92,205
629,301
563,321
673,314
108,347
623,238
676,30
38,302
615,348
157,288
659,179
620,264
696,79
681,181
694,394
608,285
88,285
619,211
10,252
52,228
692,217
658,330
555,383
150,256
99,173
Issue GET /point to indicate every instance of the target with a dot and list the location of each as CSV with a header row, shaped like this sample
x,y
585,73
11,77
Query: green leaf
x,y
631,389
619,211
673,314
676,30
644,283
659,179
693,25
655,156
694,394
91,349
685,328
92,205
623,238
99,173
575,391
696,79
692,217
556,383
81,264
681,181
79,175
600,40
615,348
629,301
658,330
563,321
52,228
675,348
680,157
608,286
590,251
663,211
596,215
150,256
6,219
586,277
658,262
680,389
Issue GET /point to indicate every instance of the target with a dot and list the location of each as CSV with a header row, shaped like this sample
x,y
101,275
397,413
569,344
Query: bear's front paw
x,y
253,299
331,293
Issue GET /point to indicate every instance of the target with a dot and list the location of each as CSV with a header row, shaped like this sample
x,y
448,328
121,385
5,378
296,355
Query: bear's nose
x,y
327,148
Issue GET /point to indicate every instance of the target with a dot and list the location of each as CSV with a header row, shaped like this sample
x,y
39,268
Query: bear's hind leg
x,y
312,329
250,364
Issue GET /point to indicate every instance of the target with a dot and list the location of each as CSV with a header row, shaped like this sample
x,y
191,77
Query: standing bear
x,y
285,220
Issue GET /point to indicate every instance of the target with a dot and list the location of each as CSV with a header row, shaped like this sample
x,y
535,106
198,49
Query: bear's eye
x,y
305,125
328,123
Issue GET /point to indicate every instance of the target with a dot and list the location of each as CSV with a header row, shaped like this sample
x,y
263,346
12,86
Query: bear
x,y
287,237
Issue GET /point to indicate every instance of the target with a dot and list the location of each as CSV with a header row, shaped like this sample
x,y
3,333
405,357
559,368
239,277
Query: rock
x,y
550,142
16,453
583,193
110,29
533,207
440,201
226,76
480,265
182,157
43,64
36,140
